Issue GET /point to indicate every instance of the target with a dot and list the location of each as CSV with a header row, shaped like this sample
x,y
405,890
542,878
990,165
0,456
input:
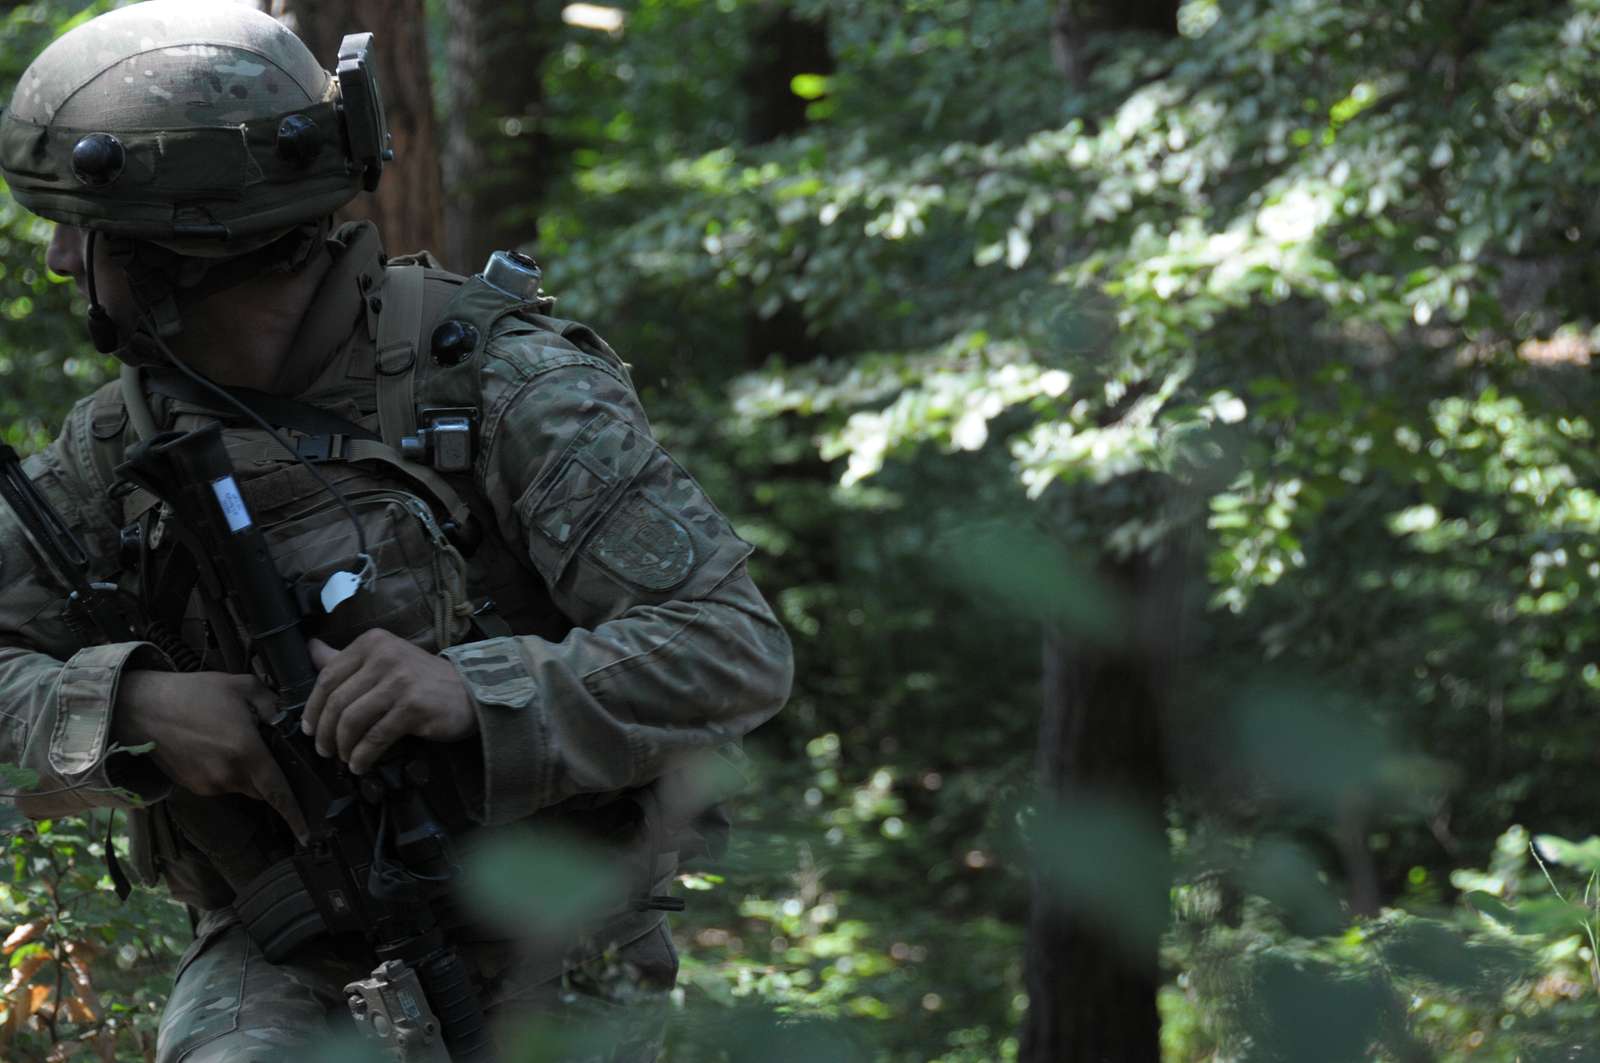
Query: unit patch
x,y
644,544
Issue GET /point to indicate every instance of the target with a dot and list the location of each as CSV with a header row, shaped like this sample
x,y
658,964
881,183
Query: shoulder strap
x,y
417,258
274,409
399,338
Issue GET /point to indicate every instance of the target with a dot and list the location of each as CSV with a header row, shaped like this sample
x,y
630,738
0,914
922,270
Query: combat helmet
x,y
206,128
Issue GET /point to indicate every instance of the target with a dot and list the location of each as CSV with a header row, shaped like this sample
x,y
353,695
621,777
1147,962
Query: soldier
x,y
545,593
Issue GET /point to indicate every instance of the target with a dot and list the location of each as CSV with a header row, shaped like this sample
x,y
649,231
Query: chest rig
x,y
415,475
420,423
428,330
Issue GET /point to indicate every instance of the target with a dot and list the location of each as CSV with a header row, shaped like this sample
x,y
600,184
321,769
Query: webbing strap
x,y
368,450
398,325
274,409
490,624
344,448
119,877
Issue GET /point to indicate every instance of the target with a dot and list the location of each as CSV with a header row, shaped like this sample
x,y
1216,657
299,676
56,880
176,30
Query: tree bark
x,y
1090,999
1076,21
497,146
782,45
409,204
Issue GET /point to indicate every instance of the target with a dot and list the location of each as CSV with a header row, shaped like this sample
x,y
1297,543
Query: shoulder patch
x,y
644,544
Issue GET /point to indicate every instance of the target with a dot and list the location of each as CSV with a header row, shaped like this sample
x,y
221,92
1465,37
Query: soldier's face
x,y
66,256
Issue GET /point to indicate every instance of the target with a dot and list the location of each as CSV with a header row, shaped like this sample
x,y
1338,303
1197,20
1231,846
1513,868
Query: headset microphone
x,y
103,332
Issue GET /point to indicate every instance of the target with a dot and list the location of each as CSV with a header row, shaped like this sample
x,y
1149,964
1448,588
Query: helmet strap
x,y
288,254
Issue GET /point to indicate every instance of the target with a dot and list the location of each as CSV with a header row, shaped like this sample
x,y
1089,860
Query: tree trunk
x,y
1091,1000
496,145
782,45
1076,21
409,204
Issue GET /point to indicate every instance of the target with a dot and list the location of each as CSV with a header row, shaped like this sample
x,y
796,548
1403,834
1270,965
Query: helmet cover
x,y
208,128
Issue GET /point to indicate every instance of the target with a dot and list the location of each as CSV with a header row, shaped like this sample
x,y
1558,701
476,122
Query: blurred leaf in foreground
x,y
542,885
1321,750
747,1033
1025,571
1106,858
1285,874
1307,1011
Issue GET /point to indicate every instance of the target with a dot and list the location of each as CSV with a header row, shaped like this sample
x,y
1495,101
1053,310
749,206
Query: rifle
x,y
91,607
378,863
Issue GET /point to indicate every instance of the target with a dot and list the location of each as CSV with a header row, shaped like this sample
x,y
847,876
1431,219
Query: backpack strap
x,y
436,485
399,338
274,409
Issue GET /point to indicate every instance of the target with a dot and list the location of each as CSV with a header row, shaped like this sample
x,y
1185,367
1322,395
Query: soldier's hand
x,y
376,691
208,741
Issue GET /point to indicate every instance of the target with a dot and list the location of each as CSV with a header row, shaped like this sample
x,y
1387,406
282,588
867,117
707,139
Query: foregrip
x,y
449,991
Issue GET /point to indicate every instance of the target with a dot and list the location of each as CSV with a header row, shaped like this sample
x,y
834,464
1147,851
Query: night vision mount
x,y
362,103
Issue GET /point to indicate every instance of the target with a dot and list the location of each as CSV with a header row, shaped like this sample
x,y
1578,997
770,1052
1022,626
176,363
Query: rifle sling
x,y
274,409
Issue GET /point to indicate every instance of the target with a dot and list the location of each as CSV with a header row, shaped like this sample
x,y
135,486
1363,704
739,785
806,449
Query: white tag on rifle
x,y
340,588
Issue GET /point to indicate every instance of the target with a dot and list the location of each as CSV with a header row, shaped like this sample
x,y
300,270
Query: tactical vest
x,y
416,487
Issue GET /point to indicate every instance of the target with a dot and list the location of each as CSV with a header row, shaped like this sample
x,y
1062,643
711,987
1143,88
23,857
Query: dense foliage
x,y
1306,284
1299,293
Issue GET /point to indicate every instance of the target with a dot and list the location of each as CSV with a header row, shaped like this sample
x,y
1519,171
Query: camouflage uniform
x,y
650,648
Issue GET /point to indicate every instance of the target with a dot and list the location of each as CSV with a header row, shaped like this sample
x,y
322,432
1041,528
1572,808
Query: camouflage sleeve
x,y
56,695
674,652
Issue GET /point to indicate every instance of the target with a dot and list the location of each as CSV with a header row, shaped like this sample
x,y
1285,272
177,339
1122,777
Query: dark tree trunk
x,y
409,204
496,144
1091,998
782,45
1076,21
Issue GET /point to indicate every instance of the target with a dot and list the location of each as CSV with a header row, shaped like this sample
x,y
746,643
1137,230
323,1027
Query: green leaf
x,y
810,86
1490,906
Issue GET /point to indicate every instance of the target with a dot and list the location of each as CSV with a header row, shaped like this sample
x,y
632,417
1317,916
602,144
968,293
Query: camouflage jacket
x,y
654,645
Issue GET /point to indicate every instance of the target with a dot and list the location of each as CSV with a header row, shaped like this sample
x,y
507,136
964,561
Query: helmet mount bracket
x,y
366,127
